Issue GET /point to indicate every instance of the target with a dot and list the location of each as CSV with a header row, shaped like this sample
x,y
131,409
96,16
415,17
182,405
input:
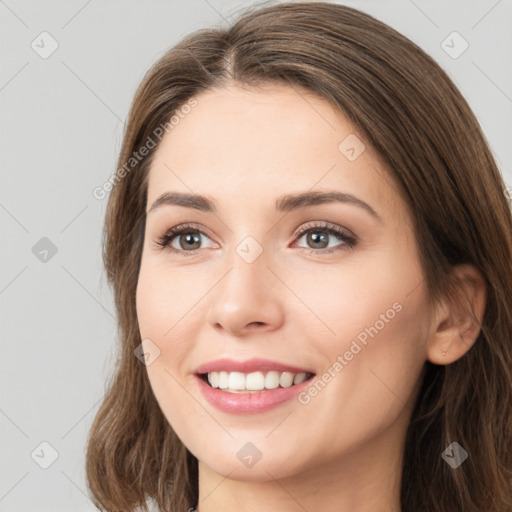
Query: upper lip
x,y
248,366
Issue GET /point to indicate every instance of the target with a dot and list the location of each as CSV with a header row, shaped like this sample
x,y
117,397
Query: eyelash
x,y
349,241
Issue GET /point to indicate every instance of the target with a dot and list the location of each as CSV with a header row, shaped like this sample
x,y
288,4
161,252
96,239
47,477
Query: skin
x,y
343,450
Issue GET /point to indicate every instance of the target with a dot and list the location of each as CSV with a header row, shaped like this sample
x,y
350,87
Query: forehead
x,y
250,146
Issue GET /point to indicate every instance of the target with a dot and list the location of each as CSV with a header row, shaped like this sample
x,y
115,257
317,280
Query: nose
x,y
248,298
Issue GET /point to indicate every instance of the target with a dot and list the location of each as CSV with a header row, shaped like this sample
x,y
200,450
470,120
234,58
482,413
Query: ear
x,y
458,320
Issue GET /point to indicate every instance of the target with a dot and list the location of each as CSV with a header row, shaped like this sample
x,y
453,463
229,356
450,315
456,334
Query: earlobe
x,y
458,318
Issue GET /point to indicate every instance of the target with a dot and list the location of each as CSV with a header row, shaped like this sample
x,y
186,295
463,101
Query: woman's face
x,y
345,300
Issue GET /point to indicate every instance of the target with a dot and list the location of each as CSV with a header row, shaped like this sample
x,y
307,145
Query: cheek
x,y
164,299
357,300
161,314
381,341
372,318
372,364
162,317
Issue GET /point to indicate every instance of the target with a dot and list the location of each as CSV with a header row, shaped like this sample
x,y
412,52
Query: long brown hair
x,y
408,109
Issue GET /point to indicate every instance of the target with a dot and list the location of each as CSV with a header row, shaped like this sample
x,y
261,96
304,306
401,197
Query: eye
x,y
188,238
318,234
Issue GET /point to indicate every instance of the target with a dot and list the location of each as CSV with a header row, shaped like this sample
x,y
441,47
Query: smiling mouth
x,y
255,382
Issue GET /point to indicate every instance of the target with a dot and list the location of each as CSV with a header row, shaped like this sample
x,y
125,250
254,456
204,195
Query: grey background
x,y
62,120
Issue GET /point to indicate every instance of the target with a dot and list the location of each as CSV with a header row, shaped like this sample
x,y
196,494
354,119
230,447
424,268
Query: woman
x,y
338,335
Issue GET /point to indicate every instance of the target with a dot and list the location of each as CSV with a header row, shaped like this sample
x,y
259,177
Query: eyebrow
x,y
286,203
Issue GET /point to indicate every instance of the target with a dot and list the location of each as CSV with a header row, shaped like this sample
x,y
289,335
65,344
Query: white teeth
x,y
272,380
254,381
213,379
236,382
223,380
300,377
286,379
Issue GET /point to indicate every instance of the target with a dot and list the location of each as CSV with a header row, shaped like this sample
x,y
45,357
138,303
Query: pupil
x,y
191,239
316,239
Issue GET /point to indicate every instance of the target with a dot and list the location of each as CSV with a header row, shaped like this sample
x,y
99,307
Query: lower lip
x,y
248,403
